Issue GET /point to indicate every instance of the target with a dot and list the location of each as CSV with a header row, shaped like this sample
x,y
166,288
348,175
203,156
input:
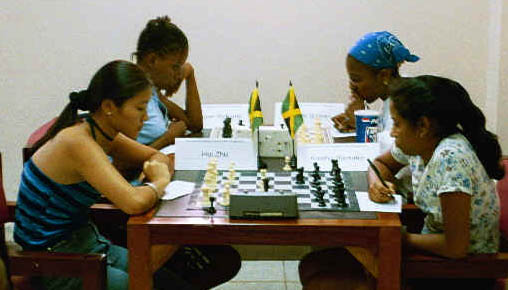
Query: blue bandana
x,y
381,50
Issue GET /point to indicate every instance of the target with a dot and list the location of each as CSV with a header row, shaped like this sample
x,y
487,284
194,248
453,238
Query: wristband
x,y
155,190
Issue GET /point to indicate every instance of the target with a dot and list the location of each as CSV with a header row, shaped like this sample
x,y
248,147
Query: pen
x,y
377,173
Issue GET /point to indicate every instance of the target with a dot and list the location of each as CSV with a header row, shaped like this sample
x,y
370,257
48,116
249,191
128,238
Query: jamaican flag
x,y
255,114
291,112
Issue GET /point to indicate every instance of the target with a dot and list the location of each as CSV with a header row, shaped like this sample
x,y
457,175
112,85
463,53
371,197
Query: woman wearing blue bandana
x,y
372,64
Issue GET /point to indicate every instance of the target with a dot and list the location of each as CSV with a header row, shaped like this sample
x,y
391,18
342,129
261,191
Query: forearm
x,y
193,105
163,141
383,169
433,243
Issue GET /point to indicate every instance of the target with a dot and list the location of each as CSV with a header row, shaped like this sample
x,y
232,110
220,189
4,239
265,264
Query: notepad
x,y
368,205
178,188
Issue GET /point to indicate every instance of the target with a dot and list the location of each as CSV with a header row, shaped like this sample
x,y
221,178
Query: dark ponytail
x,y
449,104
118,81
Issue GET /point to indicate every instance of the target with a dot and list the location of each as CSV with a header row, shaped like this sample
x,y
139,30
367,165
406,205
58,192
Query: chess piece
x,y
299,177
262,173
316,167
287,167
266,184
211,210
335,167
240,122
227,131
226,194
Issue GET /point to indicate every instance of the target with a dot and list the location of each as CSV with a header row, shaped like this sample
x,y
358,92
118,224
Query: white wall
x,y
48,48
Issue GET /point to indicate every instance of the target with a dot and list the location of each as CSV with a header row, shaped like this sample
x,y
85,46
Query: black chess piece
x,y
335,167
340,195
211,210
240,123
299,177
316,167
227,131
316,175
266,184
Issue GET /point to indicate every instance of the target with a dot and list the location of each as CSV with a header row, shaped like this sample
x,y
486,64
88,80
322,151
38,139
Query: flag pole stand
x,y
261,164
293,160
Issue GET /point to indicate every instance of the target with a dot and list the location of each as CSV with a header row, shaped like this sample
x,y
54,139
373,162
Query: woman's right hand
x,y
379,193
155,170
342,123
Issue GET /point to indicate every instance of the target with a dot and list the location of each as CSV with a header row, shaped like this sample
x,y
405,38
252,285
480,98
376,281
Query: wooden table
x,y
381,235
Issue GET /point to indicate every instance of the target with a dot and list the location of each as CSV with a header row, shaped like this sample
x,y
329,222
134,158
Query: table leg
x,y
140,271
389,257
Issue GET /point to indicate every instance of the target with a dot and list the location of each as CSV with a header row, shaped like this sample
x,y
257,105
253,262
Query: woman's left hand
x,y
186,71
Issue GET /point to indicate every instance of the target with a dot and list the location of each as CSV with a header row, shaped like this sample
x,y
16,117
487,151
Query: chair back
x,y
502,191
4,211
34,137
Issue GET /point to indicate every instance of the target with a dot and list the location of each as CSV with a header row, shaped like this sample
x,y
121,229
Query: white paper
x,y
214,114
351,156
177,188
168,150
195,153
311,111
368,205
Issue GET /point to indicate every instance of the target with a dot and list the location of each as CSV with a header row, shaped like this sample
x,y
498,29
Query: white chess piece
x,y
225,195
205,196
287,167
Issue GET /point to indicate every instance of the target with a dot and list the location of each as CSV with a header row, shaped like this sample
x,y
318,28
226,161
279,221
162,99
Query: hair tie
x,y
79,99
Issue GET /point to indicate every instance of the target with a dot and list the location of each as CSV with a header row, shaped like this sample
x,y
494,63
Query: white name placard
x,y
351,156
195,153
214,114
311,111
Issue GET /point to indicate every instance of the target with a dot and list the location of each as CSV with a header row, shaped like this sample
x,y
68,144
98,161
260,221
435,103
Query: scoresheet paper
x,y
351,156
195,153
214,114
368,205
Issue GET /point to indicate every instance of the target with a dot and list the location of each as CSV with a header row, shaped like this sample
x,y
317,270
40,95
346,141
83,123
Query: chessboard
x,y
285,182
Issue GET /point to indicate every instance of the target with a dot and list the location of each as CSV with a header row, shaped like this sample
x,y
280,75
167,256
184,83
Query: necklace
x,y
94,125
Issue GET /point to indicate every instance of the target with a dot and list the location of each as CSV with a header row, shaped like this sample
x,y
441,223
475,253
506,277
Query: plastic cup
x,y
366,125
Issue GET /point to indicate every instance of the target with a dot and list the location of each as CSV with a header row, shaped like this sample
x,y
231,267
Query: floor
x,y
265,275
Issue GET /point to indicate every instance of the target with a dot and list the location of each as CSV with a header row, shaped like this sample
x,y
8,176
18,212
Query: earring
x,y
385,82
108,113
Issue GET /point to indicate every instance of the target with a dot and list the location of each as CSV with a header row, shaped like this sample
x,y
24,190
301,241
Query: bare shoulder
x,y
78,145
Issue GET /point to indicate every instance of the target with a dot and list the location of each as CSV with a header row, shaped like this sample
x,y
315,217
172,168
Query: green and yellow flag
x,y
291,112
255,114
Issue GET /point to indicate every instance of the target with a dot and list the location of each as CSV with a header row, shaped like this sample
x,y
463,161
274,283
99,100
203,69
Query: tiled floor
x,y
265,275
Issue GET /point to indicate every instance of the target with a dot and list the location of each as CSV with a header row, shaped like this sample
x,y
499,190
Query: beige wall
x,y
48,48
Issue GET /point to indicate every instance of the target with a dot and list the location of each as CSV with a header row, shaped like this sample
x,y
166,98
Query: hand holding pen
x,y
381,191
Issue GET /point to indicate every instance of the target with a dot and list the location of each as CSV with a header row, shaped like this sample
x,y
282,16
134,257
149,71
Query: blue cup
x,y
366,125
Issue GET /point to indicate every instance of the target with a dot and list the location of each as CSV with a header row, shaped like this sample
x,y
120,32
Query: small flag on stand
x,y
291,112
255,113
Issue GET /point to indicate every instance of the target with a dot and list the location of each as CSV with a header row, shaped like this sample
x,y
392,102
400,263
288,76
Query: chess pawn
x,y
287,167
225,195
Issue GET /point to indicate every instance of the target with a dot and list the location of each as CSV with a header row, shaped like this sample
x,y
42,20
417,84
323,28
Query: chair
x,y
23,264
417,265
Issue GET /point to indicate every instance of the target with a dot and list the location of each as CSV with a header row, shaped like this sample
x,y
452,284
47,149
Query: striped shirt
x,y
48,212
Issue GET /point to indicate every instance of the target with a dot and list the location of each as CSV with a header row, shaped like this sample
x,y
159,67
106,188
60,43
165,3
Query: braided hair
x,y
450,105
162,37
118,81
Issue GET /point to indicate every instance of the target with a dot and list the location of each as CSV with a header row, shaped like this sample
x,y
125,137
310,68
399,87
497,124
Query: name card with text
x,y
311,111
351,156
194,154
214,114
